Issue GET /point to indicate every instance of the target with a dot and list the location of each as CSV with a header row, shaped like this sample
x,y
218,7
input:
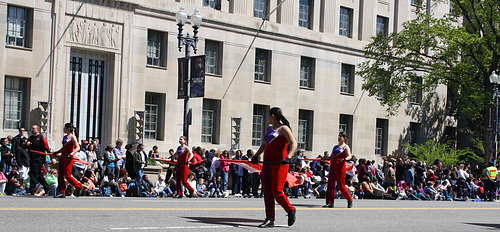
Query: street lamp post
x,y
495,80
187,42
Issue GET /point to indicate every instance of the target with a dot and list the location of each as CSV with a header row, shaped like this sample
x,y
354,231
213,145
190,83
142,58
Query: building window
x,y
382,26
18,23
381,134
416,96
416,2
345,125
305,131
305,13
413,133
259,123
216,4
15,97
347,79
307,72
262,65
153,115
260,8
210,121
345,28
213,57
157,48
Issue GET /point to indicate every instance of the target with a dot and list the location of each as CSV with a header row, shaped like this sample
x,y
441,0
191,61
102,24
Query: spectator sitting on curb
x,y
201,188
147,187
161,187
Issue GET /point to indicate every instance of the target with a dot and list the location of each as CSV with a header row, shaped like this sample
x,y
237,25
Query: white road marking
x,y
177,227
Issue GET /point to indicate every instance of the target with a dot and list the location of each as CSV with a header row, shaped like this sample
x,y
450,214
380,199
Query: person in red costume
x,y
340,153
275,168
183,156
70,147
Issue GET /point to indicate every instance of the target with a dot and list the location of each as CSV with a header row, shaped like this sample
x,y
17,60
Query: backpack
x,y
134,189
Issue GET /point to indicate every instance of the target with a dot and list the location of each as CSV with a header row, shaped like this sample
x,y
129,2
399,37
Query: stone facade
x,y
114,33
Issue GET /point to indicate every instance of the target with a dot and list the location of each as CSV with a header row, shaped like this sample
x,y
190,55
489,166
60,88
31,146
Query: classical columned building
x,y
111,68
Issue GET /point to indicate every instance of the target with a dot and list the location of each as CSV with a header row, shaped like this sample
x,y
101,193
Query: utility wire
x,y
251,44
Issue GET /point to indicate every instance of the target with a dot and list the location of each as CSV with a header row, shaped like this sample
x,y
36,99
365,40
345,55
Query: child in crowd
x,y
201,188
320,191
306,176
51,179
350,188
212,187
161,187
424,195
192,182
448,194
411,193
3,183
90,179
480,191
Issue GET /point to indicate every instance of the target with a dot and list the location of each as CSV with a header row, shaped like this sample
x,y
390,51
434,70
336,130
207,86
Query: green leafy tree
x,y
432,150
459,50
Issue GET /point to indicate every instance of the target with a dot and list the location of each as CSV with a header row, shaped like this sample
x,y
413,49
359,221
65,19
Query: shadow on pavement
x,y
236,222
495,226
307,205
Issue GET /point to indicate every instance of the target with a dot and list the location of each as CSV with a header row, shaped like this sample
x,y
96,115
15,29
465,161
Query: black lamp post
x,y
187,42
495,80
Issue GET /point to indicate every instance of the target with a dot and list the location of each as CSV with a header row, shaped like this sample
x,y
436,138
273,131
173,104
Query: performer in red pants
x,y
340,153
275,168
70,147
183,155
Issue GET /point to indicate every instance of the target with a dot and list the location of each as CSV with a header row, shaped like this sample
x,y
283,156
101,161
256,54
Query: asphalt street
x,y
240,214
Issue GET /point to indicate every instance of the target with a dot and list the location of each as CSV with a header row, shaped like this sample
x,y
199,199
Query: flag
x,y
292,180
252,168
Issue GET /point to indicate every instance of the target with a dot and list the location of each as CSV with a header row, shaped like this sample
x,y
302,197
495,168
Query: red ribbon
x,y
60,156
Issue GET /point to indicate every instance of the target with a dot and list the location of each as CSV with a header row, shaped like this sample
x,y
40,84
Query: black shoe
x,y
267,223
191,193
329,205
349,204
291,217
178,196
77,193
60,195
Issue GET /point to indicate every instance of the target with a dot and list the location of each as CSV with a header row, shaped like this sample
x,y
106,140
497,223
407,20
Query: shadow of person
x,y
236,222
490,225
308,205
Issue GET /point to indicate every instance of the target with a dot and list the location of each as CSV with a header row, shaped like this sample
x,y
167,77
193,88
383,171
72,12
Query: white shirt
x,y
463,174
215,165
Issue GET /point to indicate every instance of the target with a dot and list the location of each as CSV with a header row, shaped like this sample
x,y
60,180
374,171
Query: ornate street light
x,y
495,80
188,42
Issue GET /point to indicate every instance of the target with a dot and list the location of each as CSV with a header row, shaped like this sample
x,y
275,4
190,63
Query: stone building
x,y
110,66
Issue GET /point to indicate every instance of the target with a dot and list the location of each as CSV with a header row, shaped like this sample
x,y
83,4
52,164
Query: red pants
x,y
64,171
181,177
273,181
337,174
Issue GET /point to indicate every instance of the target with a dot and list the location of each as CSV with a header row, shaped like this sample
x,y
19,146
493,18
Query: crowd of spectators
x,y
119,172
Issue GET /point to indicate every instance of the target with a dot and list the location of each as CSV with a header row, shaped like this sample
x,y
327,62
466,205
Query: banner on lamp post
x,y
197,77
